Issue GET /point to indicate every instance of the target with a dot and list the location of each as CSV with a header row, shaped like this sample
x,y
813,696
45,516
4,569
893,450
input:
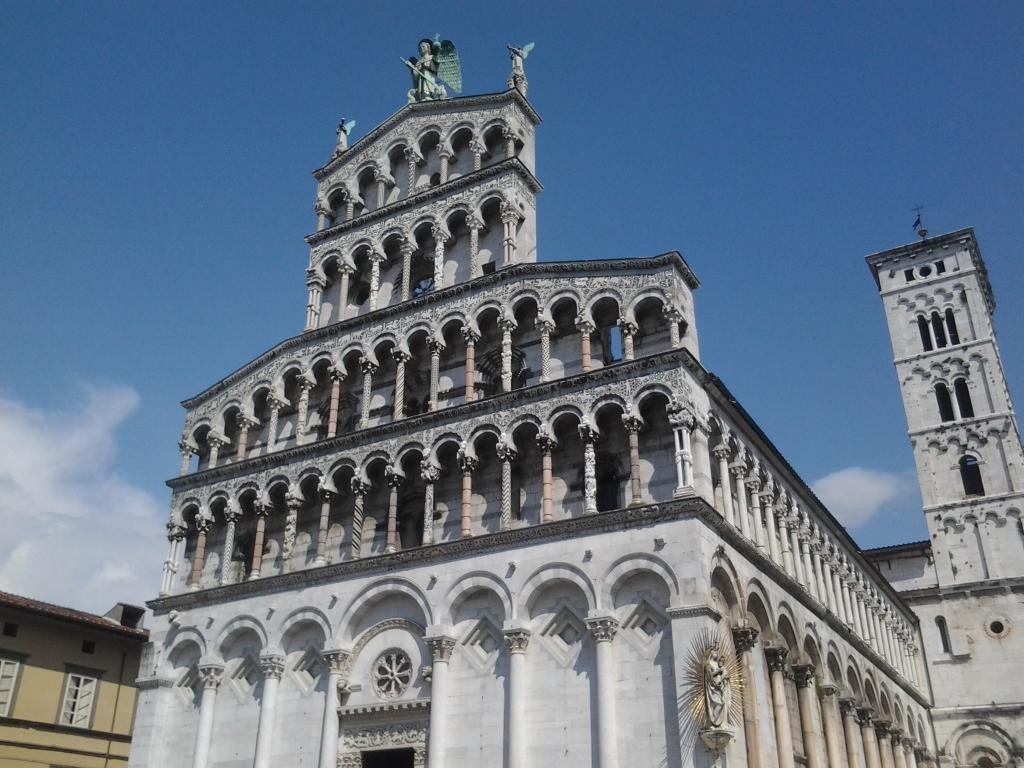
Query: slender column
x,y
326,496
510,143
359,491
411,156
721,453
275,403
262,510
231,515
302,416
202,528
701,462
736,471
910,753
401,358
187,449
475,224
272,666
792,521
507,326
350,208
767,496
848,600
506,455
633,424
369,368
315,283
477,148
851,732
589,437
175,535
471,337
210,676
517,639
441,648
339,666
430,474
809,575
867,734
376,257
898,756
744,639
382,187
776,657
446,155
628,330
682,422
441,236
545,327
882,728
293,502
245,423
822,586
467,463
782,520
803,674
546,443
830,723
509,220
406,248
216,442
337,377
435,346
345,274
394,480
323,214
603,629
585,327
673,317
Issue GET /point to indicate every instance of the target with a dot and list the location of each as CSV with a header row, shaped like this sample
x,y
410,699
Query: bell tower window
x,y
970,474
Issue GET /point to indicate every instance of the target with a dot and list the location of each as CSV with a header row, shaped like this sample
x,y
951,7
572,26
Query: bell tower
x,y
939,305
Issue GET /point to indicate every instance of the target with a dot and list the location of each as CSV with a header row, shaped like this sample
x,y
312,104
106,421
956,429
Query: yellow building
x,y
67,684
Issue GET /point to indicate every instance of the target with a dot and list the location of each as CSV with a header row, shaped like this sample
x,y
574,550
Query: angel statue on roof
x,y
437,66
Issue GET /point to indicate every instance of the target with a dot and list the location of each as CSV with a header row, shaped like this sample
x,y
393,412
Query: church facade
x,y
487,510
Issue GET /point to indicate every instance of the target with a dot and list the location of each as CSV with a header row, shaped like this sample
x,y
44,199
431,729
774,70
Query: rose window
x,y
392,674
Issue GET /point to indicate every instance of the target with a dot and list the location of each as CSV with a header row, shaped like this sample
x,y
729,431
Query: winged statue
x,y
437,66
344,129
517,79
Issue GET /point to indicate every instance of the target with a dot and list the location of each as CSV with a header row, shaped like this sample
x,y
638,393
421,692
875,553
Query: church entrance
x,y
389,758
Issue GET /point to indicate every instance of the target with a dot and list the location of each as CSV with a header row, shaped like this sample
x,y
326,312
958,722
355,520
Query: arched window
x,y
970,474
963,398
937,329
940,622
926,336
944,401
954,337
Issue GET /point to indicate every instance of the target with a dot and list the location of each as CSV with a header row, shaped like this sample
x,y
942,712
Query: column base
x,y
684,491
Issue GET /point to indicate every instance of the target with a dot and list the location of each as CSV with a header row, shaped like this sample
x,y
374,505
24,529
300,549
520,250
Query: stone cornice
x,y
1006,586
429,107
538,392
387,708
480,284
428,194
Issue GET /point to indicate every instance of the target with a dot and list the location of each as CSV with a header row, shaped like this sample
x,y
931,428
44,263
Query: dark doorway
x,y
389,758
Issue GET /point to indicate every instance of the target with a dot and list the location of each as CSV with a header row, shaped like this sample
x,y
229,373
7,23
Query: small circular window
x,y
998,627
392,674
924,271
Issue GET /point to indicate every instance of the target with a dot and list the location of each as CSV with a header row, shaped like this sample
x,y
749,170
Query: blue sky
x,y
156,186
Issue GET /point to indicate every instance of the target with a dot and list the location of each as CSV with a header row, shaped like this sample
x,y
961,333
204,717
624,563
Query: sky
x,y
155,188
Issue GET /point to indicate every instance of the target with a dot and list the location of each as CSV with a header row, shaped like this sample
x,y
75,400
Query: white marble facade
x,y
482,509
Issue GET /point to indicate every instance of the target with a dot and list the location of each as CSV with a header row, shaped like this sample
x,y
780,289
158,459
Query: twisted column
x,y
506,455
359,491
394,480
545,327
305,383
430,473
477,148
475,224
446,156
231,515
406,248
210,676
411,157
401,358
272,666
376,257
633,425
293,502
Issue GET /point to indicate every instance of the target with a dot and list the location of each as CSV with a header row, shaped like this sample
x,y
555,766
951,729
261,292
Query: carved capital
x,y
848,706
272,665
436,346
429,472
882,728
441,647
469,335
603,628
803,675
506,451
776,655
210,675
339,662
393,476
517,640
865,715
631,422
627,327
585,325
360,487
744,638
401,356
368,366
545,442
588,433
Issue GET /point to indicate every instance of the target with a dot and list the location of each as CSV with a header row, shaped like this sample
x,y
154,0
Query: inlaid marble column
x,y
231,515
851,733
210,676
633,424
776,657
293,501
506,455
545,444
262,508
736,473
401,358
476,146
430,473
215,441
510,217
545,327
441,647
467,464
441,236
721,454
275,403
882,730
603,628
187,449
827,694
471,337
411,158
803,676
586,328
744,638
339,665
507,325
272,666
245,423
376,258
175,539
359,491
475,224
445,154
517,640
337,376
435,346
368,368
673,317
394,479
345,272
867,733
629,330
203,525
305,382
588,435
327,495
406,248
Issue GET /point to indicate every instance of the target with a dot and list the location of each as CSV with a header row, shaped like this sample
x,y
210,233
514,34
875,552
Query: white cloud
x,y
855,494
74,532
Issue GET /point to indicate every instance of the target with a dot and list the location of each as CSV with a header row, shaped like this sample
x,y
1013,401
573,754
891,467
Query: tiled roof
x,y
69,614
